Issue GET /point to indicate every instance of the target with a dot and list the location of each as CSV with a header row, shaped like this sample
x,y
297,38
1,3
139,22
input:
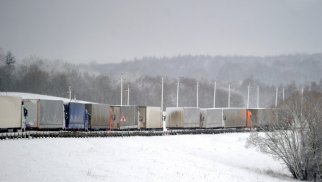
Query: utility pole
x,y
257,96
215,88
70,92
178,93
162,117
248,96
229,96
302,94
162,94
121,89
276,97
128,94
197,94
283,95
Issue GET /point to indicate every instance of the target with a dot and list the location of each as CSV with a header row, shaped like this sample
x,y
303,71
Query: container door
x,y
249,119
86,119
142,117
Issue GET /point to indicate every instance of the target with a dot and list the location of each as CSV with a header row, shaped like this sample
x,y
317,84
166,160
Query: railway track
x,y
87,134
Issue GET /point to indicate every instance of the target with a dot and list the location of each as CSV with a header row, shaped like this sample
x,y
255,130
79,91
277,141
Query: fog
x,y
105,31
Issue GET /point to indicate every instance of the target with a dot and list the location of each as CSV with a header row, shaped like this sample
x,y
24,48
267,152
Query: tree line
x,y
35,75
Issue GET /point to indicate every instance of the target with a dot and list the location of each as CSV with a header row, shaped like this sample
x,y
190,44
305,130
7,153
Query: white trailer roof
x,y
31,96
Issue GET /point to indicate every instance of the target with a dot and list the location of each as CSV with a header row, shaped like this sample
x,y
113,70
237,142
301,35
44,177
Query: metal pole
x,y
197,94
302,94
162,94
257,96
178,93
276,97
215,88
229,96
121,89
128,94
248,96
283,95
70,92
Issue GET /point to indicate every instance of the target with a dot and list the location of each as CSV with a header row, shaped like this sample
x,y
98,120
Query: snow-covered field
x,y
168,158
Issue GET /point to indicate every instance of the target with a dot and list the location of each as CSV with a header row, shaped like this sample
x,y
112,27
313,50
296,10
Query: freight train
x,y
43,114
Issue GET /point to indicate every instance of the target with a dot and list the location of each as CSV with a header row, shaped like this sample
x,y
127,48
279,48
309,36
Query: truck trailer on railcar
x,y
183,117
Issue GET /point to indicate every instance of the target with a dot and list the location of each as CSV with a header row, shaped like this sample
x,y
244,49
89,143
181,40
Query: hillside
x,y
272,70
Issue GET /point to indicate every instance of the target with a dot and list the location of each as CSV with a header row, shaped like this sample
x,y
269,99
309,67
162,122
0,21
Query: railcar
x,y
150,117
76,116
99,116
44,114
182,117
129,117
211,118
234,117
11,113
261,117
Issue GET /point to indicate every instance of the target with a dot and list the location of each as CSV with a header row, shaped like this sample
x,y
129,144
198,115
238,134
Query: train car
x,y
128,117
76,116
99,116
261,117
44,114
211,118
234,117
150,117
183,117
11,112
51,114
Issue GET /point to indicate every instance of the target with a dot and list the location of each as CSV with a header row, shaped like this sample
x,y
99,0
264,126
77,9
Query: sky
x,y
107,31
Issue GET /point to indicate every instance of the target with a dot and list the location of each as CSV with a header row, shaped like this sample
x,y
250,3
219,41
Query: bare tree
x,y
7,76
10,59
2,57
295,137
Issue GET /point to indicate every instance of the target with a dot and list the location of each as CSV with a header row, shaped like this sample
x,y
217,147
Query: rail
x,y
88,134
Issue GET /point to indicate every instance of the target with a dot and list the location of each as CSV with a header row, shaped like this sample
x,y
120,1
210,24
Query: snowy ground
x,y
168,158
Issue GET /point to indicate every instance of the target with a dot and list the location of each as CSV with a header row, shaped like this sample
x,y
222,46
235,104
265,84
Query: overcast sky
x,y
114,30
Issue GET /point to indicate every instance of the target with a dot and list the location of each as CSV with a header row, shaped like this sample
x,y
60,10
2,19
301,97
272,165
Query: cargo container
x,y
51,114
99,116
234,117
10,112
211,118
76,116
128,117
44,114
261,117
183,117
150,117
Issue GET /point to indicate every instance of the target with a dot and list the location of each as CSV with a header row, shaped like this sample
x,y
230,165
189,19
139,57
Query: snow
x,y
39,96
221,157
